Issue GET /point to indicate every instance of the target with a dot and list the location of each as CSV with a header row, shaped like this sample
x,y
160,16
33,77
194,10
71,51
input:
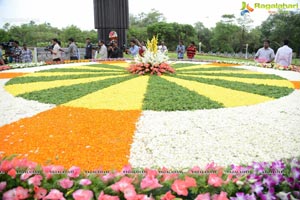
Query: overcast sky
x,y
62,13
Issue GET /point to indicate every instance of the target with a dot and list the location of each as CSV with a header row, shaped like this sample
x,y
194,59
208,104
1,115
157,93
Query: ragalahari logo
x,y
246,8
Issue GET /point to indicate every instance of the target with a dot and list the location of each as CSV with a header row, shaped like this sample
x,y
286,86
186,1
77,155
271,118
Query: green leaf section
x,y
164,95
65,94
257,76
19,80
264,90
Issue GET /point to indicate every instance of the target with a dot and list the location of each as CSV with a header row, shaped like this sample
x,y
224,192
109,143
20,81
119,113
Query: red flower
x,y
74,172
39,192
103,196
181,186
122,184
5,166
83,194
205,196
55,195
12,173
18,193
222,196
168,196
150,182
215,180
36,180
66,183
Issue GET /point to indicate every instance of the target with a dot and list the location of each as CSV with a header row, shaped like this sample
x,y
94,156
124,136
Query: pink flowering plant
x,y
153,61
23,179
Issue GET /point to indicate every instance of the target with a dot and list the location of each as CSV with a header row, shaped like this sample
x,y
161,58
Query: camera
x,y
125,48
48,48
7,45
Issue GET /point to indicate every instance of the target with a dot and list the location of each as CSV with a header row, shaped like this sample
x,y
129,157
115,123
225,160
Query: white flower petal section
x,y
14,108
290,75
263,132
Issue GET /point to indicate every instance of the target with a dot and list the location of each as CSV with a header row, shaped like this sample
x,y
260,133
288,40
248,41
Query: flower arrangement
x,y
4,67
264,65
25,65
152,61
23,179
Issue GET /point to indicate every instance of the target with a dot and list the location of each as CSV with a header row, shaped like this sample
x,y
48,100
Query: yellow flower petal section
x,y
271,82
128,95
223,72
18,89
92,68
228,97
196,67
121,64
67,73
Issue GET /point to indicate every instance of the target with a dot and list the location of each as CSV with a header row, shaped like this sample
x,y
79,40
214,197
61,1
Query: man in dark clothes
x,y
88,49
114,51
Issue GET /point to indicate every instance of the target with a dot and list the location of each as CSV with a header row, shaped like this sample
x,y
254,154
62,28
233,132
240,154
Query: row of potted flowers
x,y
23,179
135,68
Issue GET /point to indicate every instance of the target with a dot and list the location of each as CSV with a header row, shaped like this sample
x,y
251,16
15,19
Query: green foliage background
x,y
230,34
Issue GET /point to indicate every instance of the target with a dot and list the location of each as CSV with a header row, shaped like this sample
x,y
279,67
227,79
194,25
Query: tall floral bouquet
x,y
152,61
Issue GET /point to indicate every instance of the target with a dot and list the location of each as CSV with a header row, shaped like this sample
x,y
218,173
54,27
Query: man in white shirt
x,y
56,52
284,55
102,51
265,54
162,47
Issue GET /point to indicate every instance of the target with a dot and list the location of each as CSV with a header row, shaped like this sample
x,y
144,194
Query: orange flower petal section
x,y
296,84
68,136
10,75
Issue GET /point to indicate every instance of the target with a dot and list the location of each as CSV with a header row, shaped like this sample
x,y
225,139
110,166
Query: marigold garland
x,y
72,136
11,75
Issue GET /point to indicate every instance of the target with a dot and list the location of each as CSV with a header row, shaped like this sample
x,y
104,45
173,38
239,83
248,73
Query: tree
x,y
139,24
224,38
245,23
171,33
145,19
204,36
228,18
280,26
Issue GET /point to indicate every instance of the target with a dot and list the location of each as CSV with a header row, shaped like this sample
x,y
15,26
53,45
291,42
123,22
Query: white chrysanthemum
x,y
152,58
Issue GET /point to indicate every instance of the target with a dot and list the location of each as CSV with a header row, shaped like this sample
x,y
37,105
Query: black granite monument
x,y
111,15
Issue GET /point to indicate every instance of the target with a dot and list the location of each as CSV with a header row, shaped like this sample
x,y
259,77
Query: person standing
x,y
26,54
1,58
162,47
114,51
284,55
102,54
265,54
72,49
191,50
142,48
17,52
56,51
88,49
180,49
134,49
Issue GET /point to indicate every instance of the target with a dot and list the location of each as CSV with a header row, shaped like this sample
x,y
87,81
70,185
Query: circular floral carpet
x,y
102,116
